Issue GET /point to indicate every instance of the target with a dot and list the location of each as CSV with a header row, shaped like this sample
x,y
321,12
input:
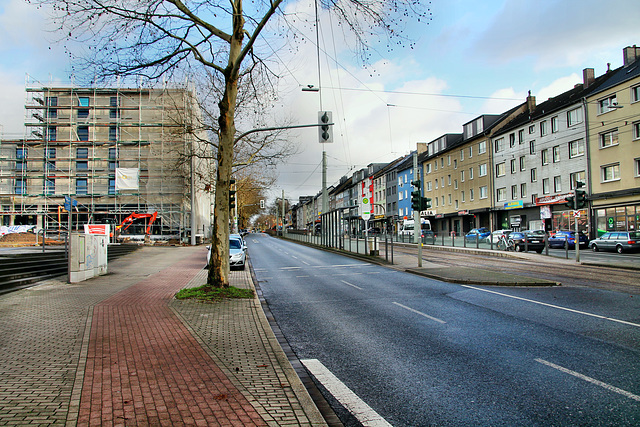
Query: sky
x,y
471,58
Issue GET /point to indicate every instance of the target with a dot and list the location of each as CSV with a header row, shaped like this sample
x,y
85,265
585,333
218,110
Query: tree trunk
x,y
219,262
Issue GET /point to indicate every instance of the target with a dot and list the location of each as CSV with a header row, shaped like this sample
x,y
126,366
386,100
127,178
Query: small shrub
x,y
208,293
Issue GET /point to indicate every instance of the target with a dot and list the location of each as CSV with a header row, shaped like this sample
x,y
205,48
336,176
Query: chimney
x,y
531,102
630,54
588,77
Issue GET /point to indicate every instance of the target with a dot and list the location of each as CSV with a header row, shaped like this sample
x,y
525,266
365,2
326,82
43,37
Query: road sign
x,y
576,214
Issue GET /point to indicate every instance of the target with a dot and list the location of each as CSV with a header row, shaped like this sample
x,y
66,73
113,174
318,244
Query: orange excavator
x,y
126,223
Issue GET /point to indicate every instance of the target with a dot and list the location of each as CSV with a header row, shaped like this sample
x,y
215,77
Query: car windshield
x,y
234,244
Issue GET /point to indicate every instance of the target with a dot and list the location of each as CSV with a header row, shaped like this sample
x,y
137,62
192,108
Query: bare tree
x,y
154,38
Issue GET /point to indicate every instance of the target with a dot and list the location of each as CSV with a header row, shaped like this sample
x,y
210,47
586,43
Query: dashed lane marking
x,y
356,406
435,319
624,322
591,380
351,284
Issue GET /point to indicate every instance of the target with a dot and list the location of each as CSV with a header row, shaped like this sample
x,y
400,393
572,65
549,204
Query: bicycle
x,y
505,244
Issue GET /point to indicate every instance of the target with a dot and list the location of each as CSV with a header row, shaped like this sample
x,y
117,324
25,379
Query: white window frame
x,y
483,192
574,116
605,142
543,128
577,146
501,169
546,186
501,194
615,168
482,169
482,147
635,94
555,153
607,104
557,184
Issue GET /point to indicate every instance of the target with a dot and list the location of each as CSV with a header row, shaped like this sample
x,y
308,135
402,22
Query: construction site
x,y
107,156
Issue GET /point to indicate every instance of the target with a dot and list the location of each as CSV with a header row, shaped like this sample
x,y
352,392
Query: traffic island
x,y
474,276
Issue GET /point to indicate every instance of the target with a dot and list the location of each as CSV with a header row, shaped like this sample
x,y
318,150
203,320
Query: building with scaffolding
x,y
113,151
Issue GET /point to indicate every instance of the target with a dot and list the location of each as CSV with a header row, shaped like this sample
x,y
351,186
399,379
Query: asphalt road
x,y
423,352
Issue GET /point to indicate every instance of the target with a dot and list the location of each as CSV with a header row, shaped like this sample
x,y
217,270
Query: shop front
x,y
616,218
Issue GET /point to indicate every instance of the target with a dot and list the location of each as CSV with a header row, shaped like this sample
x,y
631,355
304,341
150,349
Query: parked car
x,y
564,237
534,242
237,254
496,235
619,241
477,234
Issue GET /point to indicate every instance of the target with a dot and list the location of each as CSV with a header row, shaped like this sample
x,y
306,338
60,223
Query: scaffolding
x,y
77,138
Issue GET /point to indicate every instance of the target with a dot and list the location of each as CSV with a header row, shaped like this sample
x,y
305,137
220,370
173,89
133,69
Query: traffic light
x,y
261,204
570,201
232,194
425,203
581,195
325,130
416,196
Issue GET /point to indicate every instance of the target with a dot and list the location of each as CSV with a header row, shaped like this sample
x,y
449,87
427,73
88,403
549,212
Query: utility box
x,y
87,256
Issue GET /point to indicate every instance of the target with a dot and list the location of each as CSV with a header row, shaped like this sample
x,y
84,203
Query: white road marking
x,y
435,319
301,277
624,322
290,268
591,380
359,409
351,284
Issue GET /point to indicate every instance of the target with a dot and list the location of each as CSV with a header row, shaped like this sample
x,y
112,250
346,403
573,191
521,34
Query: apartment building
x,y
112,151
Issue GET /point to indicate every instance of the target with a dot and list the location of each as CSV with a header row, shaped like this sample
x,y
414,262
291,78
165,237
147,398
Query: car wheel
x,y
619,249
518,248
594,248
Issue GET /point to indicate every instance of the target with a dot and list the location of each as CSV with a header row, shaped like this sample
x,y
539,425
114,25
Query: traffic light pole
x,y
575,218
417,225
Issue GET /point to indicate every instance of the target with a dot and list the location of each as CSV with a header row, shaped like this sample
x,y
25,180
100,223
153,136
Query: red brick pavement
x,y
144,368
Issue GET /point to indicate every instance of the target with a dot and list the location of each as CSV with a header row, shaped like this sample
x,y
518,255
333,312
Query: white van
x,y
408,225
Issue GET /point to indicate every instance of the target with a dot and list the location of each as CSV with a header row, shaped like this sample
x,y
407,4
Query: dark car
x,y
524,241
619,241
477,234
567,237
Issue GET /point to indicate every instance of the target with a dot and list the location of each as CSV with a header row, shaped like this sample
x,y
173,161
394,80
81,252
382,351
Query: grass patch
x,y
207,293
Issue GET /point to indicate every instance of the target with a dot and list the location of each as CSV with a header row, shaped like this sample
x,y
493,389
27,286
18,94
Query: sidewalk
x,y
119,350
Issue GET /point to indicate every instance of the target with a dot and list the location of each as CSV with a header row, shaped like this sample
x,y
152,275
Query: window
x,y
462,155
610,172
545,186
113,113
82,153
83,101
49,186
556,154
501,169
574,116
483,192
534,175
81,186
554,124
20,186
436,165
521,136
83,133
532,129
428,168
113,133
456,204
429,185
21,160
470,173
608,139
455,163
636,130
522,163
455,184
532,147
52,101
607,104
462,176
512,140
514,165
436,183
113,101
83,113
557,184
482,169
52,133
482,147
401,196
449,160
442,200
514,192
471,152
636,163
441,162
52,113
498,145
113,159
471,194
112,186
544,154
576,148
449,198
523,190
543,128
49,161
462,196
577,176
449,180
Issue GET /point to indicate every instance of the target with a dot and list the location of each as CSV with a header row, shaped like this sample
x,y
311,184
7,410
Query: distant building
x,y
113,150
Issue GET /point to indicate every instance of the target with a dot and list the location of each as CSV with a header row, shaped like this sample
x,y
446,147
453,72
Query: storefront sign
x,y
461,213
513,205
551,200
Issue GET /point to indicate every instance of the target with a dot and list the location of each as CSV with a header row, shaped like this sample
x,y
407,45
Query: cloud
x,y
557,33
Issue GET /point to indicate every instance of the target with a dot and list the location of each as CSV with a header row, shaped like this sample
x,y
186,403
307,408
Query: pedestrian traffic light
x,y
325,130
581,195
416,201
261,204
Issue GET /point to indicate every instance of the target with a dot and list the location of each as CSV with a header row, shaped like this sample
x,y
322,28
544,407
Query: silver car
x,y
619,241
